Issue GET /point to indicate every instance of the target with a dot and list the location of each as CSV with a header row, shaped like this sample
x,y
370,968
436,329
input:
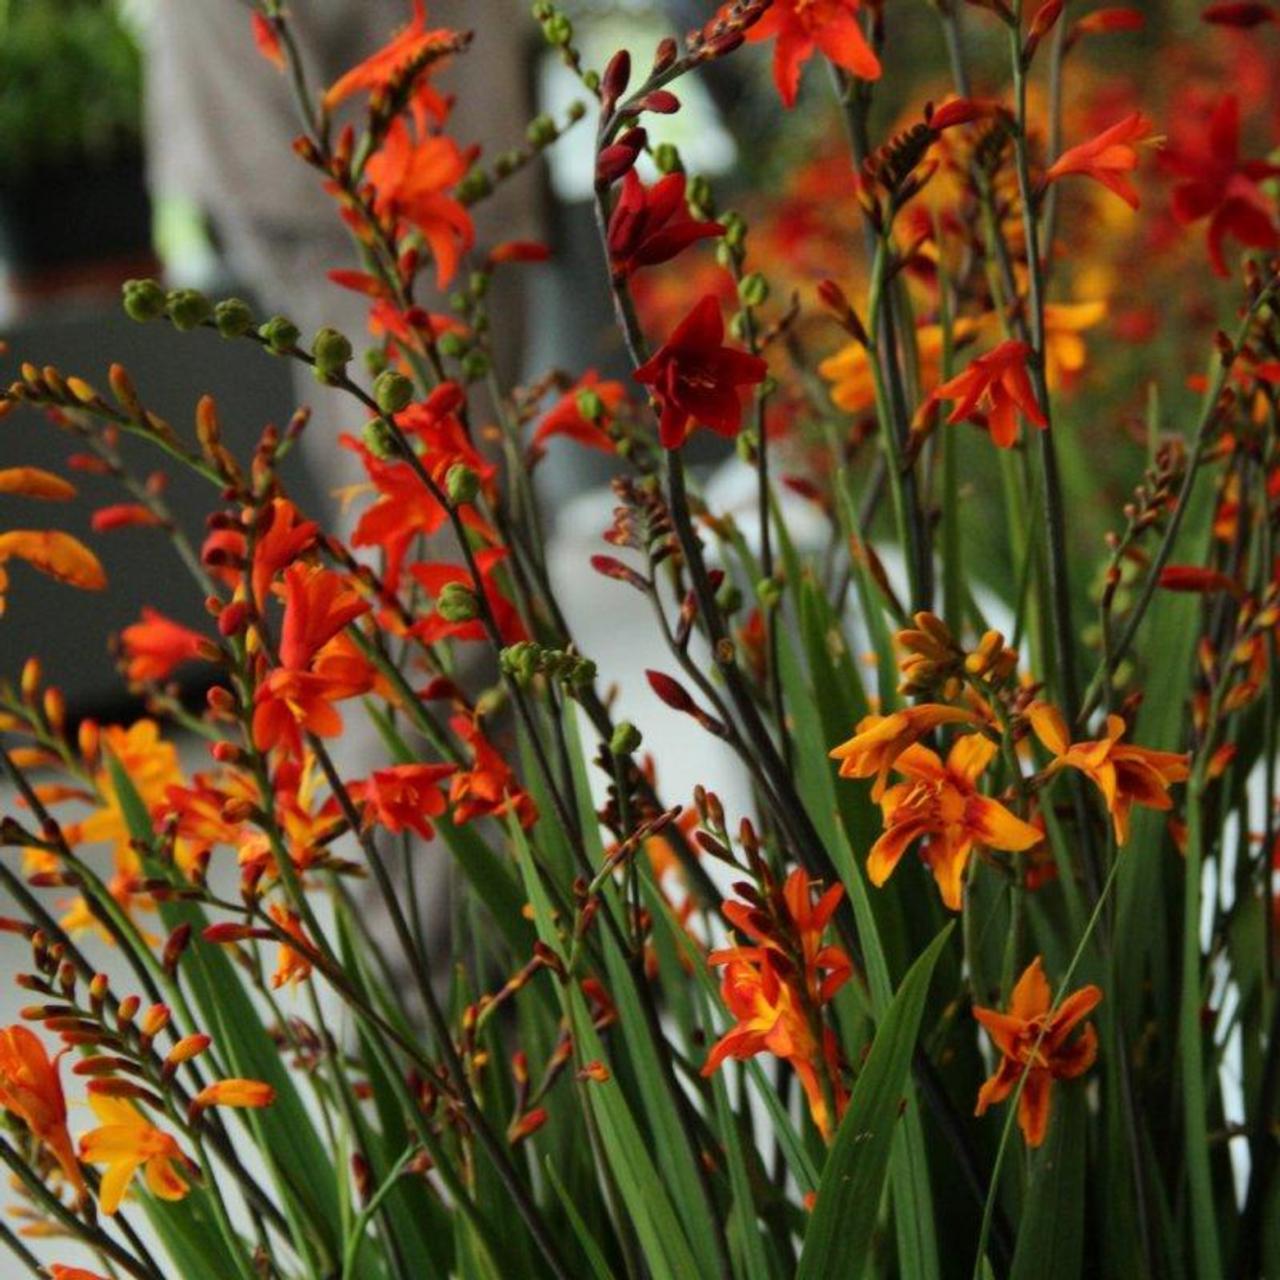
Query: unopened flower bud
x,y
457,603
475,365
753,289
280,334
332,352
233,317
187,308
379,439
143,300
542,131
626,739
461,484
392,391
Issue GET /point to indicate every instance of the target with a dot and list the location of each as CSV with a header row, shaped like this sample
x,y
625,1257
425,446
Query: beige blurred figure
x,y
221,121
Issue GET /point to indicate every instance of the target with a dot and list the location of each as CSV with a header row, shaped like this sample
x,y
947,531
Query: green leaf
x,y
595,1258
1051,1235
838,1242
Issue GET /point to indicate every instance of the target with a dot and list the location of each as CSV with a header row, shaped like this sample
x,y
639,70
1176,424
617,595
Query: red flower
x,y
122,515
154,647
266,40
695,377
800,27
566,416
1216,184
995,385
283,535
650,225
404,796
410,180
1108,158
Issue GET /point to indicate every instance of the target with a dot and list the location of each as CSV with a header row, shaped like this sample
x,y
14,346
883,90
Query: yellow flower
x,y
125,1142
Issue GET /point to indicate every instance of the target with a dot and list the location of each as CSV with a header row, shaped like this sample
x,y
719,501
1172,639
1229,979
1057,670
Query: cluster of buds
x,y
1153,498
726,31
527,659
935,663
642,519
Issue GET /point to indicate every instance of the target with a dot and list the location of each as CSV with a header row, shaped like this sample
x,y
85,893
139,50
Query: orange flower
x,y
1030,1033
234,1093
803,26
771,1019
412,43
292,966
58,1272
125,1142
942,803
31,1089
318,604
567,417
157,645
880,740
410,180
1108,158
63,557
1125,774
995,386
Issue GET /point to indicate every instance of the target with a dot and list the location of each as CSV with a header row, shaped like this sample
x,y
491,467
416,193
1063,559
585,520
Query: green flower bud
x,y
187,308
379,439
738,325
479,283
475,365
666,156
143,300
591,80
626,739
769,592
753,289
474,186
375,360
577,109
699,198
590,405
505,163
558,30
280,334
491,701
392,391
542,131
233,317
729,598
735,229
332,352
451,345
725,254
461,484
457,603
542,11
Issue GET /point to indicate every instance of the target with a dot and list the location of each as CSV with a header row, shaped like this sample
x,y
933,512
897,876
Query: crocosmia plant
x,y
977,974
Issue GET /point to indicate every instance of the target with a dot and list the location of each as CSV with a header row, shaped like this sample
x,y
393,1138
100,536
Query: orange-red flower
x,y
31,1089
1030,1033
489,788
410,181
125,1141
880,740
994,389
58,1272
771,1018
156,646
404,796
802,26
1125,774
410,44
651,225
234,1092
1109,158
696,378
941,804
1218,185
